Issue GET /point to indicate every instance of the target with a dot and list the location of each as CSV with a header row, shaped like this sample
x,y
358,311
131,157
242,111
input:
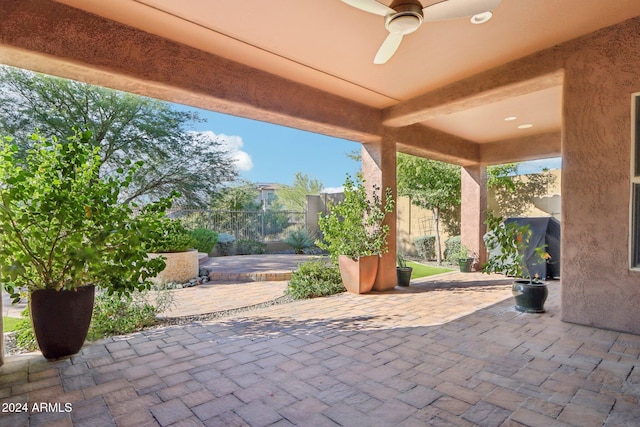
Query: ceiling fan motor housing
x,y
406,20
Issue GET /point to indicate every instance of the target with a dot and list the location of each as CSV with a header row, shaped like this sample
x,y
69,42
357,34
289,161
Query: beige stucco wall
x,y
548,205
598,287
413,222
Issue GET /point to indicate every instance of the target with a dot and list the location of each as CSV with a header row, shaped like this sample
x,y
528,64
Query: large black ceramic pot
x,y
530,297
61,319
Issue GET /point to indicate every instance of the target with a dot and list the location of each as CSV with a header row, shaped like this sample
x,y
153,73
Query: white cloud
x,y
330,190
232,145
243,160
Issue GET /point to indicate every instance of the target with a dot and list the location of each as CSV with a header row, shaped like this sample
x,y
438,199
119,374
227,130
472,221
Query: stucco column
x,y
379,168
473,211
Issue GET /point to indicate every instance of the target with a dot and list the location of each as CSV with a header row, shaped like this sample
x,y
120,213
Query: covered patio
x,y
567,73
570,71
443,354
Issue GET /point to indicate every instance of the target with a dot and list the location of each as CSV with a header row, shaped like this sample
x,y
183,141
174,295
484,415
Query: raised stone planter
x,y
181,267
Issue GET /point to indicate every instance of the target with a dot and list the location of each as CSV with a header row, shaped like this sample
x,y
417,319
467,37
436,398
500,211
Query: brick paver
x,y
220,296
446,351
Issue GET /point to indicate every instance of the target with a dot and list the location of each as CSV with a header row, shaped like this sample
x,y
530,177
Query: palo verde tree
x,y
293,196
127,128
437,186
429,184
241,196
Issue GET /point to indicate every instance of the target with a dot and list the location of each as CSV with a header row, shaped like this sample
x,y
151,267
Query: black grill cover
x,y
544,231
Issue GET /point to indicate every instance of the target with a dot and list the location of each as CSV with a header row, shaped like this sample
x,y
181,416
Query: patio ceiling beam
x,y
56,39
534,147
422,141
524,76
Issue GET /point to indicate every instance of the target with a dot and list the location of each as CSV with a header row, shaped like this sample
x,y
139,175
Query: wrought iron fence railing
x,y
262,226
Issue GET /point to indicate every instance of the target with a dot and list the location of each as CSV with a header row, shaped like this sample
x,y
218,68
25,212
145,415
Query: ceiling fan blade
x,y
371,6
453,9
388,48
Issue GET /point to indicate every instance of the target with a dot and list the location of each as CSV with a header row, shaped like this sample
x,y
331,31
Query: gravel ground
x,y
10,340
224,313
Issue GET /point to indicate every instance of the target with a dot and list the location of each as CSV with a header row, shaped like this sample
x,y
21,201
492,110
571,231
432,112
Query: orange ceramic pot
x,y
358,275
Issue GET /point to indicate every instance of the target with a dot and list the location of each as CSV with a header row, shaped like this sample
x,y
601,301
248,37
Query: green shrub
x,y
117,315
205,239
170,236
299,240
225,241
62,225
25,338
355,227
9,324
315,278
426,247
452,249
250,247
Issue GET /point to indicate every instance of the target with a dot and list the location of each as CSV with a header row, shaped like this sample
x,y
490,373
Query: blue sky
x,y
274,154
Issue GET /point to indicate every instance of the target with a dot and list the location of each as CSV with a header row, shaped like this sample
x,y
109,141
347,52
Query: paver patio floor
x,y
432,354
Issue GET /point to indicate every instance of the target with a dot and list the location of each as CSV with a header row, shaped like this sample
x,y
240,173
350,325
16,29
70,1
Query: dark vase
x,y
61,319
465,264
530,297
404,275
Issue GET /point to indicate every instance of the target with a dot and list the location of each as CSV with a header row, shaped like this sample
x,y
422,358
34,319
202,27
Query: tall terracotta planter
x,y
358,275
61,319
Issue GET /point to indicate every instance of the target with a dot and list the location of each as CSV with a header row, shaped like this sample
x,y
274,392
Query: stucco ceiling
x,y
329,45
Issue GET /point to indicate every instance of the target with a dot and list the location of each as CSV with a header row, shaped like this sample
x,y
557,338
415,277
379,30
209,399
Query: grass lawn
x,y
421,270
9,323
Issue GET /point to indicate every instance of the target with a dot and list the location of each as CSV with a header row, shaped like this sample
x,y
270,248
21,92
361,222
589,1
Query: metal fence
x,y
263,226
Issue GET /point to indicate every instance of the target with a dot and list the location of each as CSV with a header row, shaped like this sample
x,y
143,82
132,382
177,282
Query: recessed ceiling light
x,y
481,18
510,118
525,126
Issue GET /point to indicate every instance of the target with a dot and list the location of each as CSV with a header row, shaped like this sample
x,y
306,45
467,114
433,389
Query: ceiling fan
x,y
403,17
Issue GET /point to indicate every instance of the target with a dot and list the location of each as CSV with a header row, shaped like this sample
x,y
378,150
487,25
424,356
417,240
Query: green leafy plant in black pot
x,y
465,262
507,244
403,271
63,232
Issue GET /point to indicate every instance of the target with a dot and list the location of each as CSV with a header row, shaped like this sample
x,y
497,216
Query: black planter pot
x,y
530,297
61,319
404,275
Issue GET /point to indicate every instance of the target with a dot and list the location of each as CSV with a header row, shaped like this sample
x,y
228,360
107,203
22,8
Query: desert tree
x,y
126,127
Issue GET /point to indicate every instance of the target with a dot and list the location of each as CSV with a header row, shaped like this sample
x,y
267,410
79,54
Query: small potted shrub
x,y
171,241
464,260
63,232
355,235
507,244
403,272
